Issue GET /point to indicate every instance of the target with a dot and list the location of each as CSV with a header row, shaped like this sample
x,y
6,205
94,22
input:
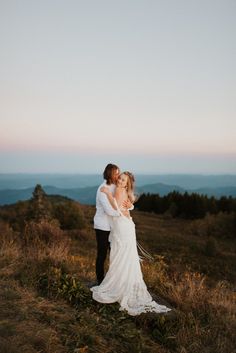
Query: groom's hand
x,y
127,204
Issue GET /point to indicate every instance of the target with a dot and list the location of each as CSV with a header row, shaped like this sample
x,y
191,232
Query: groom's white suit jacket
x,y
104,209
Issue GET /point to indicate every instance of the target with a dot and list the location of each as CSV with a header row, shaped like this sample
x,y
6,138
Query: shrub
x,y
54,282
15,214
44,238
70,215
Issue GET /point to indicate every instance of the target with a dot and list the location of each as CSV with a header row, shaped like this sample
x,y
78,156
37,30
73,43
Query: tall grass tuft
x,y
9,249
45,239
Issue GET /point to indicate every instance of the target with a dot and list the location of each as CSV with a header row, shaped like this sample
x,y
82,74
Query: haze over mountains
x,y
82,187
192,181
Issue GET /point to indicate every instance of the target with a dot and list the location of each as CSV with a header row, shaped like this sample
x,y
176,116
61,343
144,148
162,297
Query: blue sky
x,y
149,85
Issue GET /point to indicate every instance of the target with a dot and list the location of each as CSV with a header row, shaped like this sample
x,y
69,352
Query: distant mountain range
x,y
164,189
72,181
87,195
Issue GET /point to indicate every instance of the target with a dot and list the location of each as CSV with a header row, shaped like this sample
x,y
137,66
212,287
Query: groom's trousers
x,y
102,247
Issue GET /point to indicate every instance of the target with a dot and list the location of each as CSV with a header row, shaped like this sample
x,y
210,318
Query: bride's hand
x,y
127,204
105,190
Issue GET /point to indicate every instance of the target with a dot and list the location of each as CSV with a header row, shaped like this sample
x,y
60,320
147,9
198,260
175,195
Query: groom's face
x,y
115,175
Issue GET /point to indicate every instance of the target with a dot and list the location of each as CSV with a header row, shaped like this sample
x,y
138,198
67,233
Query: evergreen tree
x,y
40,207
185,205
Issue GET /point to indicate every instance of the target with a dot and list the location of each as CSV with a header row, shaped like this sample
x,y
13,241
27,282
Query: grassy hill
x,y
46,304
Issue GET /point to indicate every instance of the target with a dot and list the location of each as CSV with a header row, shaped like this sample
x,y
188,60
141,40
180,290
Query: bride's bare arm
x,y
109,196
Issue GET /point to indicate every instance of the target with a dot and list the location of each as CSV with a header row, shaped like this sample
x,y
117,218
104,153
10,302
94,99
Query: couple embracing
x,y
123,283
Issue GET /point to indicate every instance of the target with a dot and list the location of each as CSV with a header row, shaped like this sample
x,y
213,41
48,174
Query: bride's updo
x,y
130,185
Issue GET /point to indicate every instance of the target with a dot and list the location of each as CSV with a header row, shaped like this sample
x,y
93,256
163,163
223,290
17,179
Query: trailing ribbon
x,y
145,253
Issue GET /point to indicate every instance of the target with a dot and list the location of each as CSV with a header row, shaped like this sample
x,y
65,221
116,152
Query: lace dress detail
x,y
124,282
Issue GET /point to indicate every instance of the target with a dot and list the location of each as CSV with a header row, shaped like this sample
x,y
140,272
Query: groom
x,y
102,221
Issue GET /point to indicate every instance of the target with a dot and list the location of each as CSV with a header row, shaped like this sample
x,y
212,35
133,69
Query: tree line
x,y
189,206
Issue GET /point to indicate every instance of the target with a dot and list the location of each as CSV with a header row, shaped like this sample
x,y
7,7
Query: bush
x,y
44,238
15,214
55,282
70,215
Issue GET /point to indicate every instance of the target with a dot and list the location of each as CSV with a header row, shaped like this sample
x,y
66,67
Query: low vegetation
x,y
46,270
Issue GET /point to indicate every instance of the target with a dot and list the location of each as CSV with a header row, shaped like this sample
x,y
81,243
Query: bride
x,y
124,282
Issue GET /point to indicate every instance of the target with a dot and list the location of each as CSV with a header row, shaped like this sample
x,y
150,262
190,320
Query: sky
x,y
149,85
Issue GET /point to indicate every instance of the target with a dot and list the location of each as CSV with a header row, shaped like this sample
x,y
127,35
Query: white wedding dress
x,y
124,282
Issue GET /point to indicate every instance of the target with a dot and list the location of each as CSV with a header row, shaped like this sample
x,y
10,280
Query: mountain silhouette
x,y
87,195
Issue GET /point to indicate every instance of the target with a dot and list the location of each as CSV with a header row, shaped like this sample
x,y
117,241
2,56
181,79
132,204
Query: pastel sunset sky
x,y
147,84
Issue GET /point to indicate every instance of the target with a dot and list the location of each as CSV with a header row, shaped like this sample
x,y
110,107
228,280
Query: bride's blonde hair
x,y
130,185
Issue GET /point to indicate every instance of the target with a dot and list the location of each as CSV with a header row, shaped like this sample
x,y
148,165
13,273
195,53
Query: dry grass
x,y
203,317
9,248
29,323
222,225
184,249
44,240
206,315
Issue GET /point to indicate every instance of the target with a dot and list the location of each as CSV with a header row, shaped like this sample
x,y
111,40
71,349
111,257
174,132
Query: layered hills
x,y
87,195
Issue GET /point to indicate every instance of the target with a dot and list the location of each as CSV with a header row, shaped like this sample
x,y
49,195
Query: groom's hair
x,y
107,174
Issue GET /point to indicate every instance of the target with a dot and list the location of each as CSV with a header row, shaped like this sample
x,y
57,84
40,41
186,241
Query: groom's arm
x,y
108,209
